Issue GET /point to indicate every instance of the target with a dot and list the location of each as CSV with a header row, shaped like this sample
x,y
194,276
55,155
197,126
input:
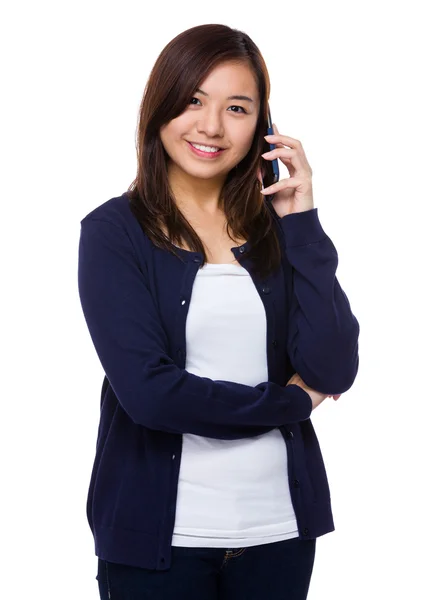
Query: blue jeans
x,y
275,571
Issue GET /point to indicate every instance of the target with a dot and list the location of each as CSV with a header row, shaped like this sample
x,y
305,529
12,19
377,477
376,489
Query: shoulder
x,y
115,223
117,211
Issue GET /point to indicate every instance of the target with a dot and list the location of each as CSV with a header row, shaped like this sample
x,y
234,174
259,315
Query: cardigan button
x,y
241,249
296,483
266,290
289,434
275,343
305,531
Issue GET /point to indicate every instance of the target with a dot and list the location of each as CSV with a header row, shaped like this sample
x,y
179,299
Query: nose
x,y
210,124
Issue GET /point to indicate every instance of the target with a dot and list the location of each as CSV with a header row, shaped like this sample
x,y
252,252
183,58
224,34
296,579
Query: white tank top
x,y
231,493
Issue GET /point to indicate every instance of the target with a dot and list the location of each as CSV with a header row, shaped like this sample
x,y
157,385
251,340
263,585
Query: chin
x,y
205,172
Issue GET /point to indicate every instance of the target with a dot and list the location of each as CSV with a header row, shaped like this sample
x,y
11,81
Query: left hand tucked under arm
x,y
293,194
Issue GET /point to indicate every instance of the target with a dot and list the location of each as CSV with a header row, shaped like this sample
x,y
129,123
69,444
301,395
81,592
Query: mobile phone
x,y
267,181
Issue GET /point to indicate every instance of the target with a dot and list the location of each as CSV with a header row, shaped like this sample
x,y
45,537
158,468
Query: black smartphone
x,y
271,175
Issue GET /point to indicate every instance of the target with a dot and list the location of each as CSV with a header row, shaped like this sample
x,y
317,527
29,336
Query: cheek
x,y
171,132
245,143
173,139
245,137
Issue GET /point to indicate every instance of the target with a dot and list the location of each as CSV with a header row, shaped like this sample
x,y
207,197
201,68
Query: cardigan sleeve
x,y
131,343
322,340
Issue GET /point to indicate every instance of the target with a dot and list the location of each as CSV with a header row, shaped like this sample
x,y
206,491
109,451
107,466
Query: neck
x,y
195,194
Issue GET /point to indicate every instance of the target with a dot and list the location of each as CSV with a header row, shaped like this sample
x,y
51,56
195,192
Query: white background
x,y
350,81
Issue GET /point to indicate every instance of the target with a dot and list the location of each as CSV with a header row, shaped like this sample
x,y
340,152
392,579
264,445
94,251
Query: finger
x,y
284,139
287,156
279,153
275,130
277,145
290,182
291,158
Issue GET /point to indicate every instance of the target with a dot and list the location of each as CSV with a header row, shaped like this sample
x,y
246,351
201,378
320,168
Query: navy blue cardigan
x,y
135,299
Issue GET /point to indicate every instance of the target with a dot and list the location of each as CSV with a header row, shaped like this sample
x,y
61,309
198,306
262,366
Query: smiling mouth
x,y
207,145
204,153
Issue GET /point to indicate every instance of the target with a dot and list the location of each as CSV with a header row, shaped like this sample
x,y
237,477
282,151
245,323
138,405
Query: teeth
x,y
206,148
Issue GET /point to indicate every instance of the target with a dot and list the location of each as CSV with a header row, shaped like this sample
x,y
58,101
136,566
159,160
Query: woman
x,y
220,325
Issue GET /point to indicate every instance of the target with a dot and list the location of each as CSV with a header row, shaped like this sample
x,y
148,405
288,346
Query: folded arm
x,y
131,343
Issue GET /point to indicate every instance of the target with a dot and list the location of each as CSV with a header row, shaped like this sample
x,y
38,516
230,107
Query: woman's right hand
x,y
316,397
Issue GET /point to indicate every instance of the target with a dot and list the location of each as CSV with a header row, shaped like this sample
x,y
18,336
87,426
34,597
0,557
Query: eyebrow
x,y
229,97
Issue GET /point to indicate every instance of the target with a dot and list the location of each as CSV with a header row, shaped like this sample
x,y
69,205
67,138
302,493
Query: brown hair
x,y
178,71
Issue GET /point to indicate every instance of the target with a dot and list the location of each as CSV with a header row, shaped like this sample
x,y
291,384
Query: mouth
x,y
203,153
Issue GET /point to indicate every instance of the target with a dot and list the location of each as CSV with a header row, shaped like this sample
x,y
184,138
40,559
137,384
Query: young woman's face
x,y
212,119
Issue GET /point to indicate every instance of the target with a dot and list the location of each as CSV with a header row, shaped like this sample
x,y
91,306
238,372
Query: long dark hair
x,y
178,71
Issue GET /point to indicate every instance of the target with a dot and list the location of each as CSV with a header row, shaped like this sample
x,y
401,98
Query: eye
x,y
243,109
233,106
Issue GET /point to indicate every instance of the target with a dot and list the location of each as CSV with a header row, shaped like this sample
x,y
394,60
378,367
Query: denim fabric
x,y
275,571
